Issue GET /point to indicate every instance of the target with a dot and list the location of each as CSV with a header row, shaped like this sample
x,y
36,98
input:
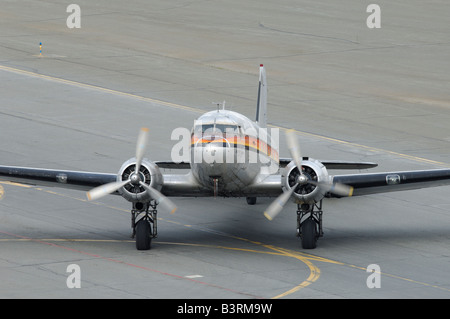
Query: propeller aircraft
x,y
230,157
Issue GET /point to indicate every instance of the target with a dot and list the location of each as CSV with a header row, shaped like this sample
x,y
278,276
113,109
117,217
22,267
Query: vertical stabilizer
x,y
261,106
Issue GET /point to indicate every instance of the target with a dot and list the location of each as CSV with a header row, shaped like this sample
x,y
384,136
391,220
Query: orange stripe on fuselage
x,y
247,141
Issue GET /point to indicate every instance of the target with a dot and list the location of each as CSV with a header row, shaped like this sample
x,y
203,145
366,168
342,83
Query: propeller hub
x,y
302,179
135,179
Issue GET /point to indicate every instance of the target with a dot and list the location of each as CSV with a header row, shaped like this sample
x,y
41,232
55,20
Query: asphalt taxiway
x,y
350,92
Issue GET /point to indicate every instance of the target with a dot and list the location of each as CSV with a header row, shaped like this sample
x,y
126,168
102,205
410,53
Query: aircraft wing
x,y
336,164
373,183
174,185
173,165
60,178
185,185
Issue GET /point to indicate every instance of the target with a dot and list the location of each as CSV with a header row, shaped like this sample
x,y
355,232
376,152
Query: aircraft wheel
x,y
143,235
251,200
309,234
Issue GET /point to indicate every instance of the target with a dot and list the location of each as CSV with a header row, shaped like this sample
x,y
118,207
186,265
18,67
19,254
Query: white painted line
x,y
193,276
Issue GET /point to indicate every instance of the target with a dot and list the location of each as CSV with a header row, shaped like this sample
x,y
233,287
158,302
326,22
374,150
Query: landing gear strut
x,y
309,224
146,228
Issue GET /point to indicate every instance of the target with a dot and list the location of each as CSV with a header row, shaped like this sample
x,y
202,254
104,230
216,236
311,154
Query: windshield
x,y
215,129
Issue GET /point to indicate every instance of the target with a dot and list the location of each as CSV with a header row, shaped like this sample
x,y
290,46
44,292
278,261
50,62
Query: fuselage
x,y
228,151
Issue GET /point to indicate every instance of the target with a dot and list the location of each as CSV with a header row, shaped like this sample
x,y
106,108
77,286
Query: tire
x,y
251,200
309,234
143,237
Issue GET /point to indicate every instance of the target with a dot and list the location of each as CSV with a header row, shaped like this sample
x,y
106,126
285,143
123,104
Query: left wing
x,y
336,164
373,183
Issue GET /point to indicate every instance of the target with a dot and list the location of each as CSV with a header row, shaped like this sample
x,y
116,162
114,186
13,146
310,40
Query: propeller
x,y
277,205
294,148
335,188
105,189
134,179
162,200
141,145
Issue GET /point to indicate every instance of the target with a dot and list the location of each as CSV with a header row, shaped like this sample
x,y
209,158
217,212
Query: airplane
x,y
255,170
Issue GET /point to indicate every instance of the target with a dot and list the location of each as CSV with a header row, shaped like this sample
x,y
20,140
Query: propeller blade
x,y
141,146
162,200
294,149
277,205
335,188
341,189
105,189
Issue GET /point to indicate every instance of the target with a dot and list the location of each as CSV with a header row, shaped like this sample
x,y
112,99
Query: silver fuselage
x,y
229,151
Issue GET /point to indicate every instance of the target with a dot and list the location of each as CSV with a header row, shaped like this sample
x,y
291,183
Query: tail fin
x,y
261,106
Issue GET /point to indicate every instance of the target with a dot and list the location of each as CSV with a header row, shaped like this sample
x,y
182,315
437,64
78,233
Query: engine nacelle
x,y
305,193
149,173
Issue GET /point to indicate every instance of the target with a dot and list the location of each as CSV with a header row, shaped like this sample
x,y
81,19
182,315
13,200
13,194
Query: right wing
x,y
174,185
59,178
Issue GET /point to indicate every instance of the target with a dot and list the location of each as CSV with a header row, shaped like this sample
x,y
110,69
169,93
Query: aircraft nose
x,y
213,154
212,150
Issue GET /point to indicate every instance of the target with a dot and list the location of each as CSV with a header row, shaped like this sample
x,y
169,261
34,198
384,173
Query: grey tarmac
x,y
351,93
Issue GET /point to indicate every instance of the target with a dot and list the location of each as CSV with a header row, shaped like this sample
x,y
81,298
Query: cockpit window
x,y
215,129
201,129
225,129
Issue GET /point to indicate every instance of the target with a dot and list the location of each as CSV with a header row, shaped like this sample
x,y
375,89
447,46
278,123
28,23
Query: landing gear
x,y
251,200
143,237
145,229
309,224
